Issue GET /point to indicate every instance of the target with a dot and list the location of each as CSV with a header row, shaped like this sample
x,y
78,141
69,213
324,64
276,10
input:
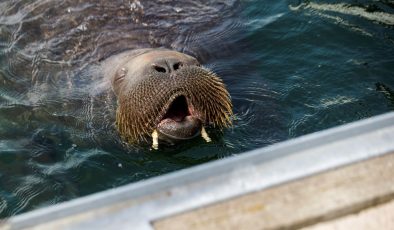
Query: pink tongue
x,y
177,115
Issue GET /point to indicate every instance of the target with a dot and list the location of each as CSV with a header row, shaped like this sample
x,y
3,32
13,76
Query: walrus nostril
x,y
160,69
177,65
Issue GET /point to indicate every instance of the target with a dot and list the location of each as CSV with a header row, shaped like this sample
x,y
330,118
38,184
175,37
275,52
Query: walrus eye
x,y
160,69
120,75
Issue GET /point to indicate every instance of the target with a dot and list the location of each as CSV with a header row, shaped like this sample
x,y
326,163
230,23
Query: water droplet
x,y
136,6
82,27
177,9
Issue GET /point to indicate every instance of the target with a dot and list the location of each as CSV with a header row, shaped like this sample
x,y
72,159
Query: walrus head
x,y
167,94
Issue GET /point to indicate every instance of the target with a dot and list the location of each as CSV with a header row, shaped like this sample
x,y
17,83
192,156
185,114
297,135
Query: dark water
x,y
291,67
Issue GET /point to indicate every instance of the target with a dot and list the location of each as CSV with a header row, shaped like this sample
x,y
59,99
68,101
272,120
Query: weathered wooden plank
x,y
297,204
377,217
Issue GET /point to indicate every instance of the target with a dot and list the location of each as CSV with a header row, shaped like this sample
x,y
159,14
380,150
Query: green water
x,y
291,67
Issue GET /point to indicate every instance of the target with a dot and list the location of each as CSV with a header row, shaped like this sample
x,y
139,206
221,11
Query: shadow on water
x,y
291,67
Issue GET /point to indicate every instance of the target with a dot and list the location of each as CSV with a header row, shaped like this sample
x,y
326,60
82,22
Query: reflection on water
x,y
369,12
292,68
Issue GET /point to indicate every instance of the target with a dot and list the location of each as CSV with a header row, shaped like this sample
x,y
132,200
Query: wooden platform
x,y
331,196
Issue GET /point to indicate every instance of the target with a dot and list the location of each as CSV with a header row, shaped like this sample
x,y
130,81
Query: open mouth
x,y
178,123
178,109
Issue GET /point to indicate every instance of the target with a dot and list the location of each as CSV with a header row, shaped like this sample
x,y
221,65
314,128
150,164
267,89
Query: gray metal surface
x,y
134,206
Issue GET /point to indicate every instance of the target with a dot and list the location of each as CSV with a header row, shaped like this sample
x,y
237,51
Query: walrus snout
x,y
180,122
168,65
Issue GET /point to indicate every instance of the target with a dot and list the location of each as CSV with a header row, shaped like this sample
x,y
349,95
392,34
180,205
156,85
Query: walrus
x,y
74,53
166,95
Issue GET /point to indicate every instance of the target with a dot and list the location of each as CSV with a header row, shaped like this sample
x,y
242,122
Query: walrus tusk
x,y
204,135
155,140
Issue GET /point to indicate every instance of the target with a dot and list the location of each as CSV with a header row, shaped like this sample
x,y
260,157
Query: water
x,y
291,67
